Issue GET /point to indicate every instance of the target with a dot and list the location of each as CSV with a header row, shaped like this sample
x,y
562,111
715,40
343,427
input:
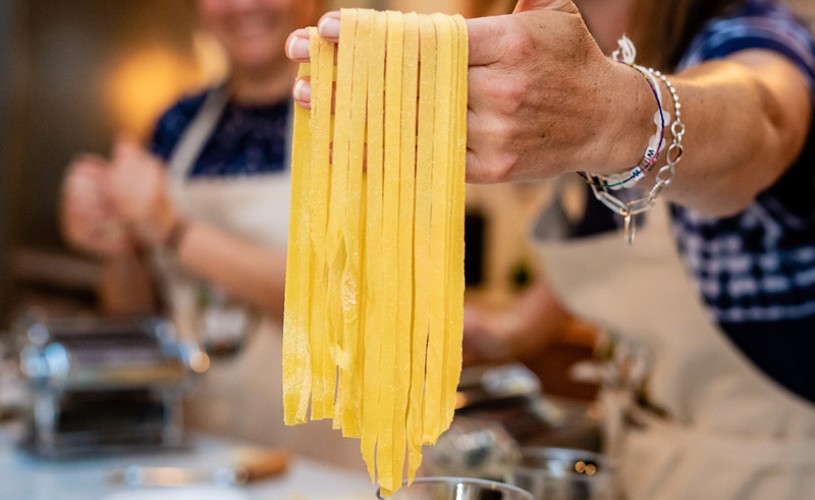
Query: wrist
x,y
176,234
628,111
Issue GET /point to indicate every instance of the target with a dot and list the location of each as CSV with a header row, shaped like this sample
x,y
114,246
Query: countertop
x,y
26,477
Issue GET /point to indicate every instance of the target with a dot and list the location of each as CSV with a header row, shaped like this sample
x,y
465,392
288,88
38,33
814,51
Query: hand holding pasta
x,y
544,100
537,95
375,270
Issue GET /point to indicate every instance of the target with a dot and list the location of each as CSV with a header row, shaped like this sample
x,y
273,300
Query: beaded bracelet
x,y
626,54
655,147
664,176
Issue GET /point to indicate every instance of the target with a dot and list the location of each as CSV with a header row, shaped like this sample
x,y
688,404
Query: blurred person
x,y
728,410
210,201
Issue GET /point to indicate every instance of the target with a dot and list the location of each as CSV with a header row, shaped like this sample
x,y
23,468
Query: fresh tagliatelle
x,y
375,271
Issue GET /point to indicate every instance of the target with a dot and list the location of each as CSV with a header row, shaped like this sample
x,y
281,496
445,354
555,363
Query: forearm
x,y
746,121
250,271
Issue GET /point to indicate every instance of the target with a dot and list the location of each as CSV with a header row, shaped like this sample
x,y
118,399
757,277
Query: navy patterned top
x,y
248,140
756,270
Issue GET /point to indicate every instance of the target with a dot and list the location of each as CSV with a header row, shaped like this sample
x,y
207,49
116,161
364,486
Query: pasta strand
x,y
375,275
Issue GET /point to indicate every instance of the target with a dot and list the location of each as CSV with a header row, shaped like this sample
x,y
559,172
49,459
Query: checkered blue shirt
x,y
756,270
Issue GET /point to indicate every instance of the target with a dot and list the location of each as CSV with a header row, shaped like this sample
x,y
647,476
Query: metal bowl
x,y
458,488
563,474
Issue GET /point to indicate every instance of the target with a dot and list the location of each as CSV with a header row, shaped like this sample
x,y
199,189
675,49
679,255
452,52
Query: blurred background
x,y
75,73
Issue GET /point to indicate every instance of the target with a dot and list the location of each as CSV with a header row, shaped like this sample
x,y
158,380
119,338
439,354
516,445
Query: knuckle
x,y
494,90
499,131
506,163
515,93
508,131
507,95
502,166
518,45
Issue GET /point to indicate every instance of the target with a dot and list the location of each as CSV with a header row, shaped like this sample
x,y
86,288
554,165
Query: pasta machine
x,y
105,385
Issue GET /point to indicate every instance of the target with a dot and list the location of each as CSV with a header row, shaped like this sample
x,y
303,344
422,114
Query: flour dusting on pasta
x,y
375,270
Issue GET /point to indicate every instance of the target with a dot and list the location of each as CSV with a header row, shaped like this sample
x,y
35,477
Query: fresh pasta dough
x,y
375,269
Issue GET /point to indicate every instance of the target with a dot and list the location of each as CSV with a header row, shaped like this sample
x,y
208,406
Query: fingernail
x,y
302,91
329,27
298,48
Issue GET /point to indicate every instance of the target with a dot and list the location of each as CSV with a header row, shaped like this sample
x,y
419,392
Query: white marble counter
x,y
25,477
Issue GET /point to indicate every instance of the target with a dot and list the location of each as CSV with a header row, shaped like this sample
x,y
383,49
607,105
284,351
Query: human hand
x,y
542,97
88,217
488,337
141,194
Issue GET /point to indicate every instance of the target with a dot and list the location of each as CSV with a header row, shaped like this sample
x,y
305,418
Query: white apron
x,y
241,396
732,434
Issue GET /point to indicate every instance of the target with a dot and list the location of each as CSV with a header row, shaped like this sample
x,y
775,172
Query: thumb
x,y
125,147
532,5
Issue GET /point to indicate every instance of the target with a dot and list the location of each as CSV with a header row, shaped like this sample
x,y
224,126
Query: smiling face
x,y
253,32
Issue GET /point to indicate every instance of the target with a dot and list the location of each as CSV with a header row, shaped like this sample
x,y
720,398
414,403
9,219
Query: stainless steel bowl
x,y
563,474
458,488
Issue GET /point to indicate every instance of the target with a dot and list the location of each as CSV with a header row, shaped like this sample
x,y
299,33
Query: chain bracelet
x,y
626,53
664,176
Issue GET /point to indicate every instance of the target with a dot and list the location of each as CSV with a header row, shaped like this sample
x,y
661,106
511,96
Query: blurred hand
x,y
88,216
539,95
141,193
488,337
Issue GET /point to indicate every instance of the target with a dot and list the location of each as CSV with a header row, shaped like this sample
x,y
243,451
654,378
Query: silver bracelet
x,y
656,144
664,176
